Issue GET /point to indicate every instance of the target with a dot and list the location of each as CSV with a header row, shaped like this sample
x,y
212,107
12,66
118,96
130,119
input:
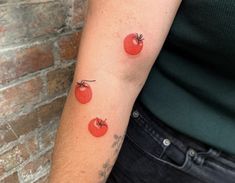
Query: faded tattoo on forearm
x,y
117,143
103,174
108,165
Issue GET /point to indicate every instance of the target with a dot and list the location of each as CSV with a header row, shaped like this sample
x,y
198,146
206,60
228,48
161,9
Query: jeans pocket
x,y
164,158
152,141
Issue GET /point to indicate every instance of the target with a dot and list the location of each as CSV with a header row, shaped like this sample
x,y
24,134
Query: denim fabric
x,y
154,153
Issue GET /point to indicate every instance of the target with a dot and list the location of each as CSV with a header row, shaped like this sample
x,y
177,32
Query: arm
x,y
79,153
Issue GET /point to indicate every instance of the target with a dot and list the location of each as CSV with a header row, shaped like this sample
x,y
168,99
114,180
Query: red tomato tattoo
x,y
98,127
133,43
83,91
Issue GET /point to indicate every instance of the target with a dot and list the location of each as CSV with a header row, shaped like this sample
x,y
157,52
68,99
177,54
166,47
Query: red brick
x,y
25,124
6,135
30,19
17,63
13,157
68,46
20,96
34,167
13,178
47,137
59,80
2,170
2,29
52,110
29,122
32,145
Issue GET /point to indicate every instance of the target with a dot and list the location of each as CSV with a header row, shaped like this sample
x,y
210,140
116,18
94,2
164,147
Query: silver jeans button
x,y
166,142
191,152
135,114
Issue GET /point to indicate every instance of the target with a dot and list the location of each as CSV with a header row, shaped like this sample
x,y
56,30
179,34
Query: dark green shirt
x,y
192,85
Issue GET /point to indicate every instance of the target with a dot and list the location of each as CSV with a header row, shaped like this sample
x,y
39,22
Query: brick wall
x,y
38,47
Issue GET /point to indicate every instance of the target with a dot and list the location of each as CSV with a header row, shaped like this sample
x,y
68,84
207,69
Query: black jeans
x,y
154,153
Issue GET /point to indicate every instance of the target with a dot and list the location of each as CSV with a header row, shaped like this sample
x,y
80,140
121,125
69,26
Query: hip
x,y
152,152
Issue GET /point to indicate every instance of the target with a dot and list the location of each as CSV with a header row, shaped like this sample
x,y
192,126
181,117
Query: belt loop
x,y
214,153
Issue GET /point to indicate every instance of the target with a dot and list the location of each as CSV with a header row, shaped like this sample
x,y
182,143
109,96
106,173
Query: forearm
x,y
79,155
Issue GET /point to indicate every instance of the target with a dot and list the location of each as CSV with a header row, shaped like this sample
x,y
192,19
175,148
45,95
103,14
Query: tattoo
x,y
133,43
98,127
108,165
83,92
117,143
103,174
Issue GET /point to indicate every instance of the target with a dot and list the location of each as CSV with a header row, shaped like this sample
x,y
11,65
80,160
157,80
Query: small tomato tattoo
x,y
98,127
133,43
83,91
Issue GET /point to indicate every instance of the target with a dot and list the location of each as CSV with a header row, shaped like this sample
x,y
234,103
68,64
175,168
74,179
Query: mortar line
x,y
10,127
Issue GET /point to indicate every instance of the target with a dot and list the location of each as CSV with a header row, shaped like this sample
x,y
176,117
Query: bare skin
x,y
78,155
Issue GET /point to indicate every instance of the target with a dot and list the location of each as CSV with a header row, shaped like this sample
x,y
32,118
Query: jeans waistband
x,y
167,135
